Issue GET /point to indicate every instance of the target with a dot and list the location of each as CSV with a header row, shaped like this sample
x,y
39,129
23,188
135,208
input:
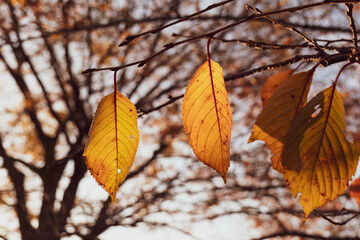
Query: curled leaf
x,y
317,158
113,141
207,117
279,112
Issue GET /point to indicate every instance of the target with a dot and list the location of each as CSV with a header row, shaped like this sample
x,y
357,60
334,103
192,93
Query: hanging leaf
x,y
318,160
279,112
355,190
207,117
113,141
272,83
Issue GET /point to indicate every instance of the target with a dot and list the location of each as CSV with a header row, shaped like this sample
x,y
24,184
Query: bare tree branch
x,y
303,235
349,13
17,179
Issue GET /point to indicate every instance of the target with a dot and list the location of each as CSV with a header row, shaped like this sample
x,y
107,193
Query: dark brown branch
x,y
252,211
22,56
147,69
17,179
295,59
100,224
334,222
349,13
81,118
70,155
182,19
293,9
30,110
89,42
129,22
55,65
276,47
212,34
3,237
171,100
50,175
28,165
172,227
273,21
332,41
70,193
146,97
303,235
156,153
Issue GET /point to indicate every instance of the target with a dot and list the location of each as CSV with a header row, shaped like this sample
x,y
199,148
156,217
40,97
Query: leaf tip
x,y
306,215
251,138
113,197
224,178
84,154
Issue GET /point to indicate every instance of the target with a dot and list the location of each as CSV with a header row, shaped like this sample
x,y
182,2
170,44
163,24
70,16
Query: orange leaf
x,y
113,141
355,190
317,158
207,117
272,83
275,119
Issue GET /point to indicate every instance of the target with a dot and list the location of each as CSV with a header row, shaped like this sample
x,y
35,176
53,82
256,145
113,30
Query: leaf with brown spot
x,y
207,117
113,140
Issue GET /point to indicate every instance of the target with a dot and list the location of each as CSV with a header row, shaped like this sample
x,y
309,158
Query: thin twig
x,y
213,33
171,100
276,47
69,156
302,235
352,23
173,227
332,41
316,57
156,30
334,222
281,24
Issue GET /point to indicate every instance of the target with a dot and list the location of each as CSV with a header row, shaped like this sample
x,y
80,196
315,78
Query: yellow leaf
x,y
207,117
272,83
317,158
279,112
354,190
113,141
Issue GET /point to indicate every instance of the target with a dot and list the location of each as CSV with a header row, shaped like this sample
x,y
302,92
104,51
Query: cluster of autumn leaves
x,y
306,139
